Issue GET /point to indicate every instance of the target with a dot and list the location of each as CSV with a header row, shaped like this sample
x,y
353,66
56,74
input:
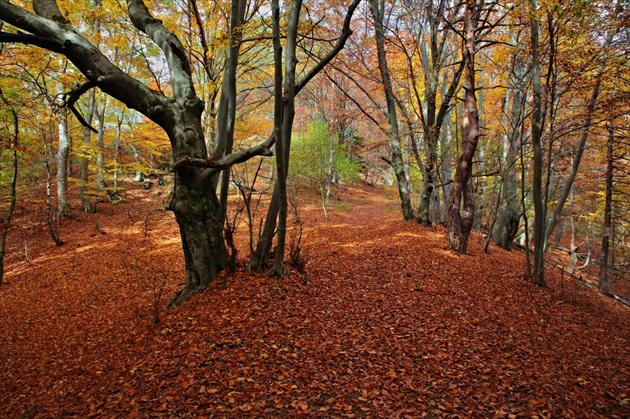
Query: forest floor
x,y
386,322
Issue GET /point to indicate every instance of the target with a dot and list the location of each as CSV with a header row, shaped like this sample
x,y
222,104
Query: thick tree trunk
x,y
198,214
428,175
460,218
194,202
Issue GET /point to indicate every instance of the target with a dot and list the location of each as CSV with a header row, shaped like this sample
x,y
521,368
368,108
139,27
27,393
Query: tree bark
x,y
509,214
84,161
226,114
537,194
283,124
63,208
604,274
377,9
461,218
13,145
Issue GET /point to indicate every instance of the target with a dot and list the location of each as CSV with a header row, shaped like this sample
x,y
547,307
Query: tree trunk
x,y
100,143
84,161
377,10
509,214
537,194
428,176
284,114
197,211
604,274
62,163
226,115
568,184
259,258
13,145
460,218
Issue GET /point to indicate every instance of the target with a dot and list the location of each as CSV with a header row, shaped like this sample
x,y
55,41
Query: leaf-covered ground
x,y
385,323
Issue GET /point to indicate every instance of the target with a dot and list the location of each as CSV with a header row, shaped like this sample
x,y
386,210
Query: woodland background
x,y
510,120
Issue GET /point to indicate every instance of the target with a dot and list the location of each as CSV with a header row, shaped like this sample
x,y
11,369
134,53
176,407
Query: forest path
x,y
386,322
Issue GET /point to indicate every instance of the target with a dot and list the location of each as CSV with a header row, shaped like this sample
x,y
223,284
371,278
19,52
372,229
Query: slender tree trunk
x,y
604,274
285,115
509,215
377,9
461,217
84,161
63,208
13,145
117,147
52,221
226,115
260,256
566,188
537,193
100,143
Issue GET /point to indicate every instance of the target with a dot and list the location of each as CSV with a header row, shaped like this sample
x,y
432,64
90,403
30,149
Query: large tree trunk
x,y
377,9
198,215
460,218
428,175
194,202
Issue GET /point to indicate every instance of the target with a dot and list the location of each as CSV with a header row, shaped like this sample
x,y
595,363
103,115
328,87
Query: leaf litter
x,y
386,322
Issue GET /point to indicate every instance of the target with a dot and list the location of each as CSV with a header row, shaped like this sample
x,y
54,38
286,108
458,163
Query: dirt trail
x,y
385,323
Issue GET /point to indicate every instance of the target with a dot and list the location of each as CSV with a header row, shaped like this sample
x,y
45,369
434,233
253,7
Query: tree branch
x,y
169,44
73,96
341,42
38,41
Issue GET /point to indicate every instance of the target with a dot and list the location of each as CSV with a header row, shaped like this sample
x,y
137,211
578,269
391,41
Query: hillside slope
x,y
385,323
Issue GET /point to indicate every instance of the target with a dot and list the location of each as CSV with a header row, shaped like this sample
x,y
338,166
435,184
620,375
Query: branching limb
x,y
169,44
72,98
